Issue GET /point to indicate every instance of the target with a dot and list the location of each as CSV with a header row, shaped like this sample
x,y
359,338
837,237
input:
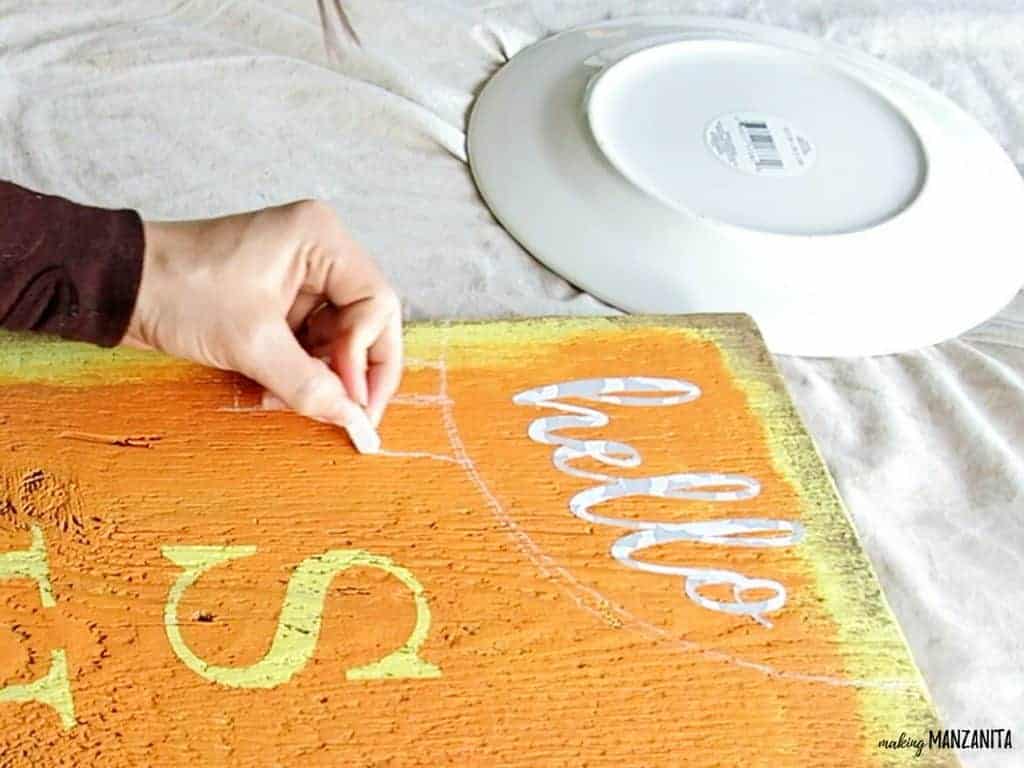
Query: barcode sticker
x,y
762,145
766,154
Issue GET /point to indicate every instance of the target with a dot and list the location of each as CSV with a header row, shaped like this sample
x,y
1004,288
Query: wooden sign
x,y
586,542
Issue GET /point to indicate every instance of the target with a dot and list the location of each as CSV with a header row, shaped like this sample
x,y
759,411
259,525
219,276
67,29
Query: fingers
x,y
336,266
304,384
385,368
364,344
360,328
304,305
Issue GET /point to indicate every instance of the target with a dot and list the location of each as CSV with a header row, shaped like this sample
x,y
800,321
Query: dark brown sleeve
x,y
65,268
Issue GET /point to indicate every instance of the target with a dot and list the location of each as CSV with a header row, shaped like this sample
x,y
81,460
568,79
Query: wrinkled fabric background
x,y
191,109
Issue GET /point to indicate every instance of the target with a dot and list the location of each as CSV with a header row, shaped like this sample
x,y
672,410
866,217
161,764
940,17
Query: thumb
x,y
305,384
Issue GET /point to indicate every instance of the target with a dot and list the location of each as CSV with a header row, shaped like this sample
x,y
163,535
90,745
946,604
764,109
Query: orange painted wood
x,y
548,650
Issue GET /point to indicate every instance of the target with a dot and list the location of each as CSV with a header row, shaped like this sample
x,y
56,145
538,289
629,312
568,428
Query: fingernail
x,y
361,395
271,402
362,434
375,415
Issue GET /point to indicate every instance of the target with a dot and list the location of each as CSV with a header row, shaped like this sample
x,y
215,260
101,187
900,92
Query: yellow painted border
x,y
871,642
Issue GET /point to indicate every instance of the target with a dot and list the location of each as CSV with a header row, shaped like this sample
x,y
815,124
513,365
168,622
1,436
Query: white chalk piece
x,y
694,164
362,434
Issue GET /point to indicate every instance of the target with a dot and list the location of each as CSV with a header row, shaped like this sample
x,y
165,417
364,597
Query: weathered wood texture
x,y
221,584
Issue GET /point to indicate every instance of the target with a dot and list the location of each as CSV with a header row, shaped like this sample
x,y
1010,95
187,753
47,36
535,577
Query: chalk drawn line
x,y
587,598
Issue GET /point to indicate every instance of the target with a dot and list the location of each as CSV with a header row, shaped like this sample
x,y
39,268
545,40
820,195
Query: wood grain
x,y
548,651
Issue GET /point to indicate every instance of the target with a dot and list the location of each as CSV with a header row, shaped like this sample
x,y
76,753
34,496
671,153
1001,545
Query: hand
x,y
268,294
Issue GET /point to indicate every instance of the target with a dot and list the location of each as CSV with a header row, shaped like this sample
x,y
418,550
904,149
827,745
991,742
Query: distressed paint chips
x,y
601,542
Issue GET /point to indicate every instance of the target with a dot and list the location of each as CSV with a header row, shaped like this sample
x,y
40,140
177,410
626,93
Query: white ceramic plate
x,y
687,164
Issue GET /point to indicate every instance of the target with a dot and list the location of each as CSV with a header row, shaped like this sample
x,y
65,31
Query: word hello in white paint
x,y
694,486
